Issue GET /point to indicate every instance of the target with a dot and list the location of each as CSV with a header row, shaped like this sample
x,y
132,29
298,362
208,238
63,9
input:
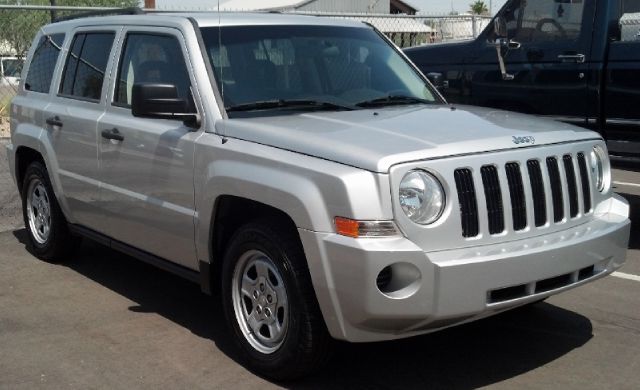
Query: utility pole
x,y
150,4
52,12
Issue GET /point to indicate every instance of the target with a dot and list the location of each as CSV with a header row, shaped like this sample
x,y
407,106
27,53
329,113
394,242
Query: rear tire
x,y
49,236
270,304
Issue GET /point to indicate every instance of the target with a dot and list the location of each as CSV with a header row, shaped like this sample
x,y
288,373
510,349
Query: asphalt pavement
x,y
104,320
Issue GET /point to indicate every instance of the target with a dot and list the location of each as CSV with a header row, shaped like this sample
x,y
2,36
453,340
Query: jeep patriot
x,y
306,170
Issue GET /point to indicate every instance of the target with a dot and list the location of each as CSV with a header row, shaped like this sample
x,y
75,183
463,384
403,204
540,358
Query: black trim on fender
x,y
141,255
205,277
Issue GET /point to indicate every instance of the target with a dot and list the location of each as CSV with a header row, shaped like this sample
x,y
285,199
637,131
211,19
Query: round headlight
x,y
599,167
421,197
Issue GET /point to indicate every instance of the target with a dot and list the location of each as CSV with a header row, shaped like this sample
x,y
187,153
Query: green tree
x,y
479,8
18,27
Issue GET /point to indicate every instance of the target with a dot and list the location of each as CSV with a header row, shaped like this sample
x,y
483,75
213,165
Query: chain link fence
x,y
19,24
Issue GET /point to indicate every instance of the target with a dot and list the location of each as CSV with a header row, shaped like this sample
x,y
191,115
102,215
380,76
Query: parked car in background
x,y
576,61
10,70
304,168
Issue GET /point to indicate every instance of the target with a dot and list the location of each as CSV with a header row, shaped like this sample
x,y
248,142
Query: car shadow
x,y
626,164
634,216
468,356
463,357
153,290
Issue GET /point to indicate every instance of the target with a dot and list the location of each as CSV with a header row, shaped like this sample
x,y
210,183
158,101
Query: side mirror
x,y
500,27
151,100
437,79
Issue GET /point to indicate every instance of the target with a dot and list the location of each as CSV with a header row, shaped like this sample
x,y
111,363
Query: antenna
x,y
223,129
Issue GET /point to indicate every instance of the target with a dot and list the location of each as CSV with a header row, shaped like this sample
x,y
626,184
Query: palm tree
x,y
479,8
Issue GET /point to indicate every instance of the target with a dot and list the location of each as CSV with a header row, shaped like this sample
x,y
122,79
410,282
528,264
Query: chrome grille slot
x,y
584,181
468,203
556,189
516,191
537,191
572,187
493,196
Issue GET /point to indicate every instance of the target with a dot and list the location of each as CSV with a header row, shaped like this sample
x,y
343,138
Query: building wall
x,y
357,6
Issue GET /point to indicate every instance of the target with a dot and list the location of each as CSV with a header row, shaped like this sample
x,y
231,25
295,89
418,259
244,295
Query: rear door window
x,y
43,63
84,71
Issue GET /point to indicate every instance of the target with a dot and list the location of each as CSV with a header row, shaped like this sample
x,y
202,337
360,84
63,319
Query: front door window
x,y
536,21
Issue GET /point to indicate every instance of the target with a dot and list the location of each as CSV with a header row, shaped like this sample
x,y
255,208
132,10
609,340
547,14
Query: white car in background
x,y
10,70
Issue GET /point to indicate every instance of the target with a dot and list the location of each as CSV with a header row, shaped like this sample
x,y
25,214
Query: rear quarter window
x,y
43,63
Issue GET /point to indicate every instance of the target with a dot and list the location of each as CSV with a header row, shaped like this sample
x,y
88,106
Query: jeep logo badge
x,y
525,139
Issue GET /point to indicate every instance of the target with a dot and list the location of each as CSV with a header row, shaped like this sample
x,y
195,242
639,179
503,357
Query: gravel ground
x,y
4,128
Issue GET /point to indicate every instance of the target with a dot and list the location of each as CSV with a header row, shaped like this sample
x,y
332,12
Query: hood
x,y
377,139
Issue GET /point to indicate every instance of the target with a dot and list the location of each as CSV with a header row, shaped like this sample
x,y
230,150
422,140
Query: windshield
x,y
11,67
284,68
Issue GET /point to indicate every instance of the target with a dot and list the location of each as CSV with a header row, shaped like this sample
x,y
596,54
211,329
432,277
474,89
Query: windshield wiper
x,y
289,104
392,100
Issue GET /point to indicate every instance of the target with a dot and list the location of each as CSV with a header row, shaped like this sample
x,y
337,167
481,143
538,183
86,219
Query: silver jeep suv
x,y
305,169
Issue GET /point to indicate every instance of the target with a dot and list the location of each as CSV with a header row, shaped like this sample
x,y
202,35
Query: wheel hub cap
x,y
38,211
260,301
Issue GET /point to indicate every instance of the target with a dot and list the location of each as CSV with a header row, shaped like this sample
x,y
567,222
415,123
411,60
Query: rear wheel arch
x,y
24,157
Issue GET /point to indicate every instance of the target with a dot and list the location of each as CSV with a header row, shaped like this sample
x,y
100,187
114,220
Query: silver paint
x,y
159,194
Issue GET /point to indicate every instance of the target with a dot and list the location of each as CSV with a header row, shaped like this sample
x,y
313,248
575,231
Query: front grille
x,y
584,181
571,185
537,191
495,212
556,189
467,200
516,190
547,197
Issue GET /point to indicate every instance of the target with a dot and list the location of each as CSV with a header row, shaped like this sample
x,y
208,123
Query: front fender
x,y
311,191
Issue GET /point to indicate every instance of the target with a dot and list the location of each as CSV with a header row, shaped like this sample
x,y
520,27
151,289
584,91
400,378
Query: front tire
x,y
270,304
49,236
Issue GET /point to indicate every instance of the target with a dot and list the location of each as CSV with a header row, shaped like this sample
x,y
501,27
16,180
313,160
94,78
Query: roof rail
x,y
105,12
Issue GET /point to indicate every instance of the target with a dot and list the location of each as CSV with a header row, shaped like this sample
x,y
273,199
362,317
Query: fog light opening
x,y
399,280
384,278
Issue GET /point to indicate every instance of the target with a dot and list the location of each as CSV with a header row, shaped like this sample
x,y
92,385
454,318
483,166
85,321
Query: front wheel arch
x,y
230,213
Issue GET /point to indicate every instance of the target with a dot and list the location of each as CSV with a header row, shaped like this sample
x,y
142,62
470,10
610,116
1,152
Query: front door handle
x,y
113,134
578,58
54,121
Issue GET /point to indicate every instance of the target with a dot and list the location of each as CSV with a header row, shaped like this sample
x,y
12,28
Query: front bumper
x,y
455,286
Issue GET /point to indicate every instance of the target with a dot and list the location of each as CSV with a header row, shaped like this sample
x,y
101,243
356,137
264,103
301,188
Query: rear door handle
x,y
578,58
113,134
54,121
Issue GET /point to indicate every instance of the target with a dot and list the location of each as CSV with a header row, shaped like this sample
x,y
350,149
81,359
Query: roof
x,y
405,4
386,24
253,18
240,5
207,19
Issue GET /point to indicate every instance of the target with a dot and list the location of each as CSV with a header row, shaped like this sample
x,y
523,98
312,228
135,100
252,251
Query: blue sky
x,y
426,6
